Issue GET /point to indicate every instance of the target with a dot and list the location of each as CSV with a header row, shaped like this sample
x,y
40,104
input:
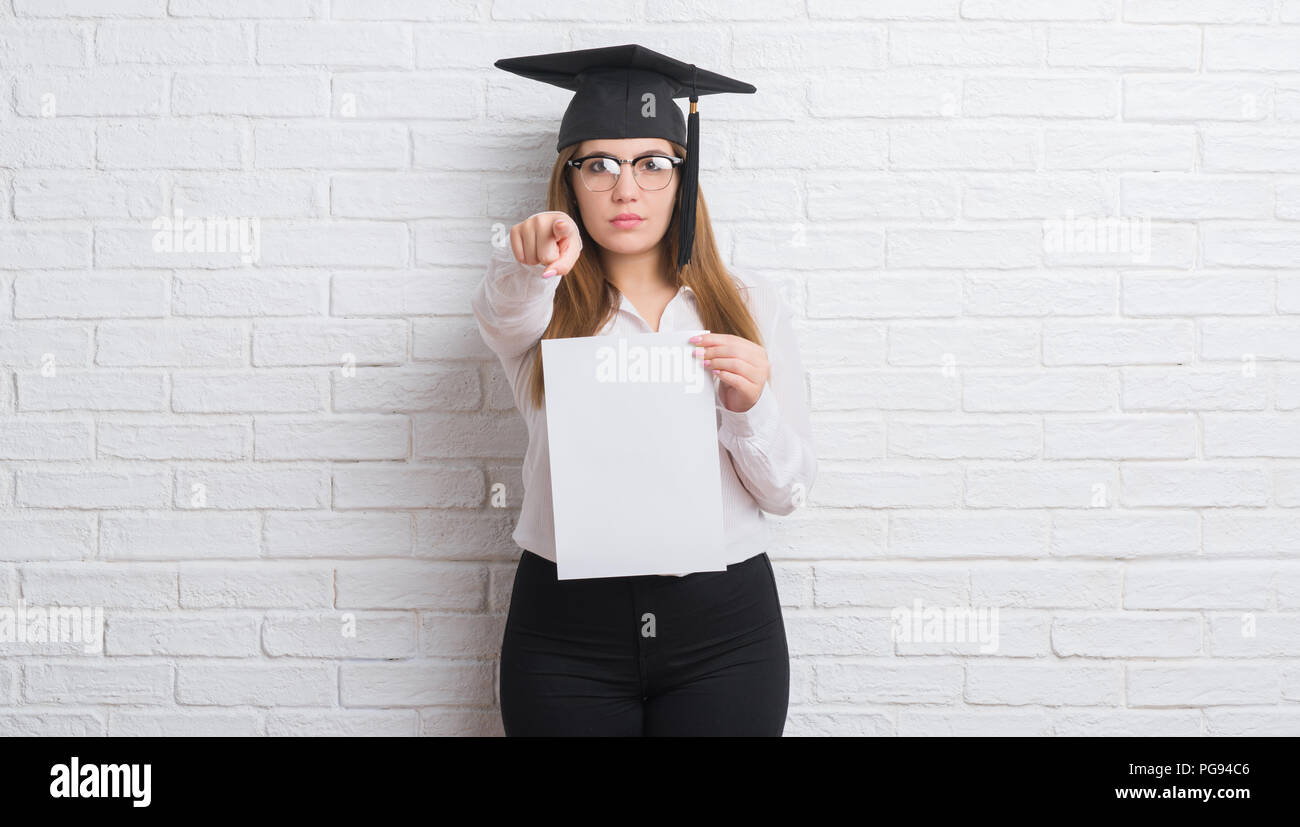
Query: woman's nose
x,y
626,186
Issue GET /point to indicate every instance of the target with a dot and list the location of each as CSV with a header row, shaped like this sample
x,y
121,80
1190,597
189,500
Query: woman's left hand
x,y
739,363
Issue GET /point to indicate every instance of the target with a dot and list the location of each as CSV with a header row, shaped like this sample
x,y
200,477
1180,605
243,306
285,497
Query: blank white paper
x,y
633,435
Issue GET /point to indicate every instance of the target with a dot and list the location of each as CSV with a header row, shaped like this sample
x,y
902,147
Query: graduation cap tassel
x,y
690,179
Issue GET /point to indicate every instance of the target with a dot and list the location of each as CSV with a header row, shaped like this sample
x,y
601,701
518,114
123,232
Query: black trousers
x,y
703,654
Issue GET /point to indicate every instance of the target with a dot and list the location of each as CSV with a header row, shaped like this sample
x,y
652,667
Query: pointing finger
x,y
568,244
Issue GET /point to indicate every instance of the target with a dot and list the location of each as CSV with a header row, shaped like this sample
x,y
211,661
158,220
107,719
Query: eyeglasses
x,y
601,172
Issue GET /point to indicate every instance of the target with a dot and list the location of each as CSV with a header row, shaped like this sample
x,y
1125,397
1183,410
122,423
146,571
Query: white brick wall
x,y
1101,441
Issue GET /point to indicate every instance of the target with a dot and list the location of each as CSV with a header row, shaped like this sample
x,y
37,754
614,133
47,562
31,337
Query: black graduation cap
x,y
626,92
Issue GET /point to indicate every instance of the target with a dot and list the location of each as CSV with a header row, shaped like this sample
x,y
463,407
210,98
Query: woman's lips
x,y
627,223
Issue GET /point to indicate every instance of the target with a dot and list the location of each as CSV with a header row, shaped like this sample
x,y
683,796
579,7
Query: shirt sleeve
x,y
771,443
513,303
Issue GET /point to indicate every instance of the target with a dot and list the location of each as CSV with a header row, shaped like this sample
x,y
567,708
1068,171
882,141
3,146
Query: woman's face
x,y
627,197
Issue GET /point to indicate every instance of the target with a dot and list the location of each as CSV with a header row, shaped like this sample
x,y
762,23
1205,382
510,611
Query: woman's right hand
x,y
549,238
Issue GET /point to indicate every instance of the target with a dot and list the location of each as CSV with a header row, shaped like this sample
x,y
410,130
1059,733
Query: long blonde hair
x,y
585,299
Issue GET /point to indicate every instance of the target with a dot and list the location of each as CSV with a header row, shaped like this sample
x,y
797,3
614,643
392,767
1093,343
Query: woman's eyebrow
x,y
634,157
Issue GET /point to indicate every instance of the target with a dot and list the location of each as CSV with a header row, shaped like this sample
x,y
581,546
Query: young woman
x,y
703,653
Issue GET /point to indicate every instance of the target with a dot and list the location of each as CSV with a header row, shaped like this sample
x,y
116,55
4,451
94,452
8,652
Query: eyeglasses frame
x,y
576,163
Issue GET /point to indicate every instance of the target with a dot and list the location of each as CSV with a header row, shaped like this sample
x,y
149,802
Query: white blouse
x,y
766,454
